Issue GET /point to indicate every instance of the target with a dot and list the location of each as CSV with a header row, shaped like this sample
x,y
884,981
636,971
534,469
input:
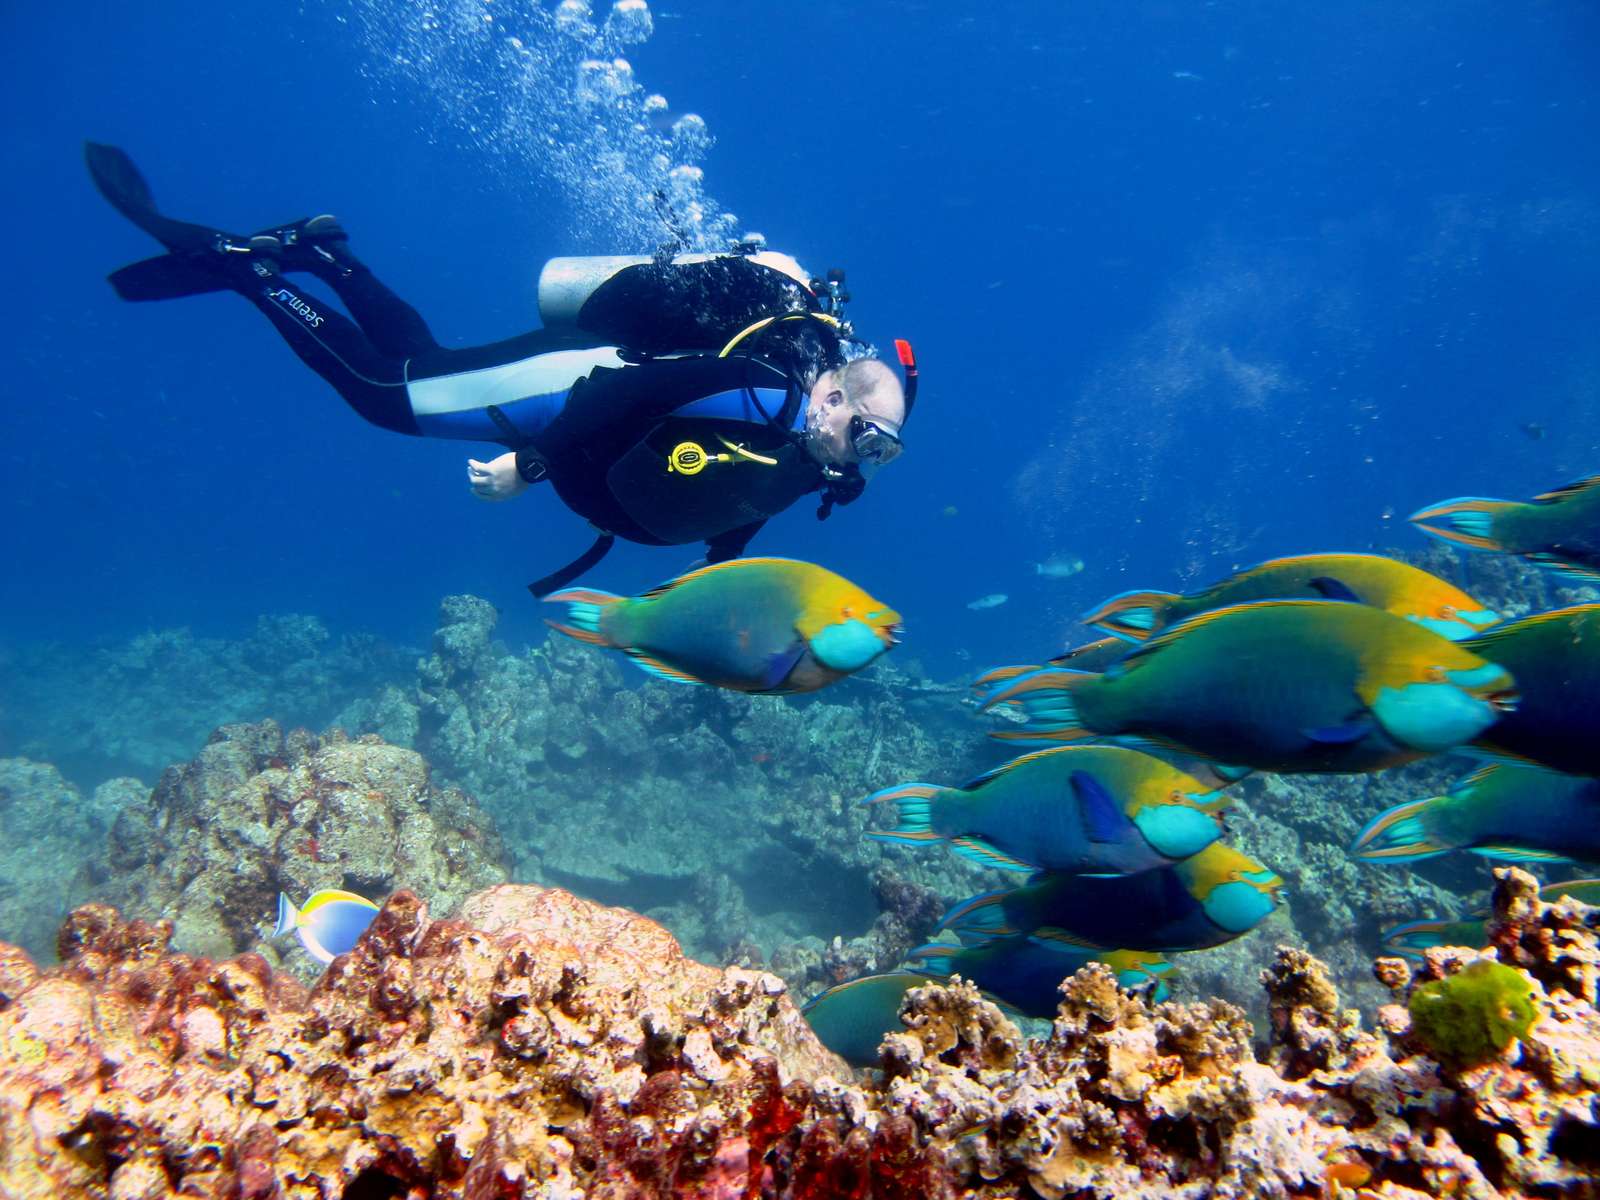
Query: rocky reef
x,y
540,1045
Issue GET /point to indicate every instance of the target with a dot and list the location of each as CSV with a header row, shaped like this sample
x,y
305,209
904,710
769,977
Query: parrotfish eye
x,y
1447,611
1436,675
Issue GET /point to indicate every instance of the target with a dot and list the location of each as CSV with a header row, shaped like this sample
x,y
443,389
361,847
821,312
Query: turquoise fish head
x,y
847,645
1445,712
1241,904
1176,830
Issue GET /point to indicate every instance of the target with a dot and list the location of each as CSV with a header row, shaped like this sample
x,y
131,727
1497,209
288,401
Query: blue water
x,y
1192,285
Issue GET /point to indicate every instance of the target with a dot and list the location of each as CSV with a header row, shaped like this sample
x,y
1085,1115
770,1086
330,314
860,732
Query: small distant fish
x,y
766,625
1059,566
1277,685
1074,809
1533,429
1386,583
1559,530
1188,75
992,600
949,510
329,924
1504,811
1206,900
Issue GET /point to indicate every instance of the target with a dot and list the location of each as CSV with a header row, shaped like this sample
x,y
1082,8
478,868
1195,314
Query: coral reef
x,y
542,1046
259,811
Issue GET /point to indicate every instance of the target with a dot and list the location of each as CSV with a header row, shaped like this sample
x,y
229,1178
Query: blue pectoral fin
x,y
1333,589
1342,735
1103,821
780,665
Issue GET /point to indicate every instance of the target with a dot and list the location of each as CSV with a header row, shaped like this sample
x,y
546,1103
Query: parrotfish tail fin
x,y
933,959
997,677
1131,616
1465,521
585,606
1518,854
1412,938
288,916
914,812
1046,699
1400,834
981,917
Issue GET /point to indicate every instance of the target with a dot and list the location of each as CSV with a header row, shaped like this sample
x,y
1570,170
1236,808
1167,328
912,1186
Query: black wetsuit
x,y
601,408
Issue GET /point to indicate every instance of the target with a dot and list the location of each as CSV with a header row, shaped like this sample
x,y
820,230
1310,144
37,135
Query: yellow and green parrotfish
x,y
1505,811
750,625
328,924
1276,685
853,1018
1555,657
1559,530
1385,583
1412,938
1078,809
1206,900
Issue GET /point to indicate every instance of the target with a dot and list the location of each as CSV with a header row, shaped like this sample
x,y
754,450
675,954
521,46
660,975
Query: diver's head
x,y
854,414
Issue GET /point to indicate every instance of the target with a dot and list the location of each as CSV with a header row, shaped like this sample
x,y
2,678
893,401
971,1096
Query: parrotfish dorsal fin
x,y
662,589
1567,490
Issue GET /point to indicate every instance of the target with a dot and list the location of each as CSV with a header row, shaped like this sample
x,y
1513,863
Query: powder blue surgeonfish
x,y
1026,972
329,924
1502,811
1076,809
768,625
1278,685
1206,900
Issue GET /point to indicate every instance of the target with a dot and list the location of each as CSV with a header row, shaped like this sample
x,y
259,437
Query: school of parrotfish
x,y
1318,663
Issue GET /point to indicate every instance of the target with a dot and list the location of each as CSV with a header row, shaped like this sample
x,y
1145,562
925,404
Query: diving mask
x,y
872,442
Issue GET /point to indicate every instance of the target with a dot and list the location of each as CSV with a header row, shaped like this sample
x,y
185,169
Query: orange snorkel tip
x,y
908,363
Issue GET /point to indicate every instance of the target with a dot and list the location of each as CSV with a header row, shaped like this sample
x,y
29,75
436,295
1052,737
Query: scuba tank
x,y
567,284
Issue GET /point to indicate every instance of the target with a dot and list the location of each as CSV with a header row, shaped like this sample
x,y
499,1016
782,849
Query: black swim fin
x,y
120,182
168,276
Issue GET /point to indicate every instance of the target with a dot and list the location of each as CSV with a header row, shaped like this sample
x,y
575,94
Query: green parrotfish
x,y
1027,972
1385,583
1559,530
769,625
1206,900
1504,811
1075,809
1412,938
1555,657
1276,685
853,1018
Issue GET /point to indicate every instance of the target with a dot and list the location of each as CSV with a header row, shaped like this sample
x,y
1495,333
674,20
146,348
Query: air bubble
x,y
630,22
572,18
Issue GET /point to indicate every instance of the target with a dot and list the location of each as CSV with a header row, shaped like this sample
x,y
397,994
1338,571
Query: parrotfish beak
x,y
849,645
1447,712
1241,904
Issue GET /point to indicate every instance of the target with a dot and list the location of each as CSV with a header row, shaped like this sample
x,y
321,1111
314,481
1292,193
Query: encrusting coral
x,y
542,1046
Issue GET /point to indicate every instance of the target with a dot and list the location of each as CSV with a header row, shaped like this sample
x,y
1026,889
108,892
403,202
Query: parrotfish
x,y
1559,530
1277,685
1026,972
329,924
853,1018
769,625
1206,900
1076,809
1555,657
1503,811
1412,938
1385,583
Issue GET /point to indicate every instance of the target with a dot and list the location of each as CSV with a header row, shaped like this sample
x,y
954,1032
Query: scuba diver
x,y
669,399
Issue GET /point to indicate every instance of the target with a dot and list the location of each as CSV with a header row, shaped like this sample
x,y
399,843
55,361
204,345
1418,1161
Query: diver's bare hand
x,y
496,479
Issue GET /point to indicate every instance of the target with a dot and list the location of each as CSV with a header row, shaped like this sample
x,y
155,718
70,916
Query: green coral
x,y
1473,1015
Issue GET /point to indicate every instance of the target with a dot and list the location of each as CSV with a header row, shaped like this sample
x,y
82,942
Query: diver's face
x,y
829,412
